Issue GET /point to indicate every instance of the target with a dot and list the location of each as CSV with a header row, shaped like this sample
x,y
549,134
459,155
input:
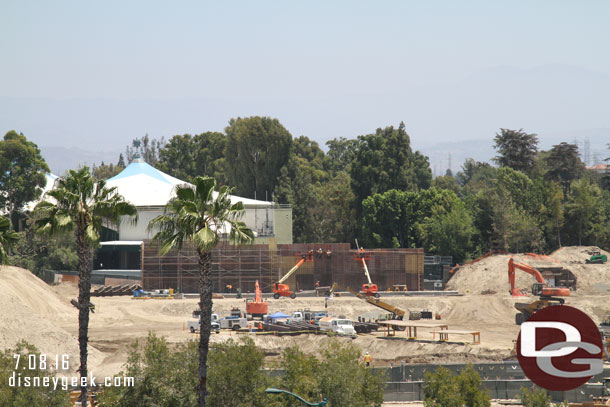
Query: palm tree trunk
x,y
84,297
205,307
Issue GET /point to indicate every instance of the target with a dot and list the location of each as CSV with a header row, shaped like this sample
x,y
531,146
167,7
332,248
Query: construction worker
x,y
229,288
317,283
367,359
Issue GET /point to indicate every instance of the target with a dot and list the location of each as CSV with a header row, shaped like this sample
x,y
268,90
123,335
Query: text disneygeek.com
x,y
18,380
58,363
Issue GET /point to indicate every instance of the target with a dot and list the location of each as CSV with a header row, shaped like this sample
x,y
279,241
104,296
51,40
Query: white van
x,y
340,326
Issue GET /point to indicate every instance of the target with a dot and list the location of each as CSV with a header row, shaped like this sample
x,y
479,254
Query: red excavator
x,y
283,290
258,307
548,295
369,288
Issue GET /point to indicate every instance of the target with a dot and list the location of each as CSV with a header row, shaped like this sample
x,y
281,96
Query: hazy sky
x,y
98,74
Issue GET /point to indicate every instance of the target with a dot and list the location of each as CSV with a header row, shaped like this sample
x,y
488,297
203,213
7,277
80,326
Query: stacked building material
x,y
113,290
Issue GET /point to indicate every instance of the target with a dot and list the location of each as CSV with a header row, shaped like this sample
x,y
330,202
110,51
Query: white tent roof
x,y
143,185
51,178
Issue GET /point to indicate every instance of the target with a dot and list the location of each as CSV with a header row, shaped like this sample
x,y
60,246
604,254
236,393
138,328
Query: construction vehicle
x,y
362,256
597,257
604,331
539,288
306,315
339,326
258,307
605,325
396,313
548,295
283,290
194,324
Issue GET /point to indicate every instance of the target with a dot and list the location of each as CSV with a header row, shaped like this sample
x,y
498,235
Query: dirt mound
x,y
491,273
590,278
487,275
33,311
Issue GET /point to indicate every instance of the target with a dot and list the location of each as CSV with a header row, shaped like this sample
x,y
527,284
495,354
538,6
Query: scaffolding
x,y
241,266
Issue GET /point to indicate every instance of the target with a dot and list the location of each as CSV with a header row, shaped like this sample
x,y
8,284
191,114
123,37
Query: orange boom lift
x,y
283,290
368,288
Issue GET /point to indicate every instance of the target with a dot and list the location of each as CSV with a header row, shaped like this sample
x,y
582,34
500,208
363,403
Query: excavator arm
x,y
512,267
257,293
540,288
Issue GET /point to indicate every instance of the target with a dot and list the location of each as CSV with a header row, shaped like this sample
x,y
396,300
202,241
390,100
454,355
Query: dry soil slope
x,y
591,278
31,310
491,273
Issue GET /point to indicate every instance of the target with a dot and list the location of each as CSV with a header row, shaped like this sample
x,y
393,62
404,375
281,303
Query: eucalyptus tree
x,y
81,204
200,215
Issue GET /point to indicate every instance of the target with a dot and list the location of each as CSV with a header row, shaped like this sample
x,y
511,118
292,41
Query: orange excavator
x,y
283,290
548,295
369,288
258,307
540,288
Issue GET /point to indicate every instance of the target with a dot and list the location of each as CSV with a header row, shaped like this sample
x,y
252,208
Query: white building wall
x,y
129,231
260,219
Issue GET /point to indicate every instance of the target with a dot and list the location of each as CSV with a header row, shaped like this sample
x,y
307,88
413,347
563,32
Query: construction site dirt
x,y
43,315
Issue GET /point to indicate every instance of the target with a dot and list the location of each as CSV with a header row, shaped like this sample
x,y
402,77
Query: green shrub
x,y
535,398
444,389
15,394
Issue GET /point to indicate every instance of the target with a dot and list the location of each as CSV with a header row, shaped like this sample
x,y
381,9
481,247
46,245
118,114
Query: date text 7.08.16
x,y
41,362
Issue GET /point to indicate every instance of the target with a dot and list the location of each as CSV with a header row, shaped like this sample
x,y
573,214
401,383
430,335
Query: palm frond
x,y
195,214
79,200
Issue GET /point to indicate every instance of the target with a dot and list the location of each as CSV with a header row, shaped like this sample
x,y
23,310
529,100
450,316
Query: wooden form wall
x,y
242,266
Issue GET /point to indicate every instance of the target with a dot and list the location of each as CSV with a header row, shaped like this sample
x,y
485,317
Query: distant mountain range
x,y
61,159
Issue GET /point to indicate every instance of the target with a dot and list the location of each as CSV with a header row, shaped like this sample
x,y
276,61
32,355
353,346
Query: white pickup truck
x,y
307,315
193,324
340,326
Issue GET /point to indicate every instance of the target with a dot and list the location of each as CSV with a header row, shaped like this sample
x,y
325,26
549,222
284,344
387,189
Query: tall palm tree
x,y
195,215
8,238
80,204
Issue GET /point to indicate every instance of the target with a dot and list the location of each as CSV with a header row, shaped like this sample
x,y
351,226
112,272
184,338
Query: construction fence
x,y
241,266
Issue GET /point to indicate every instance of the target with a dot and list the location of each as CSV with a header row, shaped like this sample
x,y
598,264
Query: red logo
x,y
560,348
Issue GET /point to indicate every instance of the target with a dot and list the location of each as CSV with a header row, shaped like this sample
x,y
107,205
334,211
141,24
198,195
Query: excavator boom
x,y
257,292
548,295
512,266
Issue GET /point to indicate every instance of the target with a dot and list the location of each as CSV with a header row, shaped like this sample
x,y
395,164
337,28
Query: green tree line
x,y
376,187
